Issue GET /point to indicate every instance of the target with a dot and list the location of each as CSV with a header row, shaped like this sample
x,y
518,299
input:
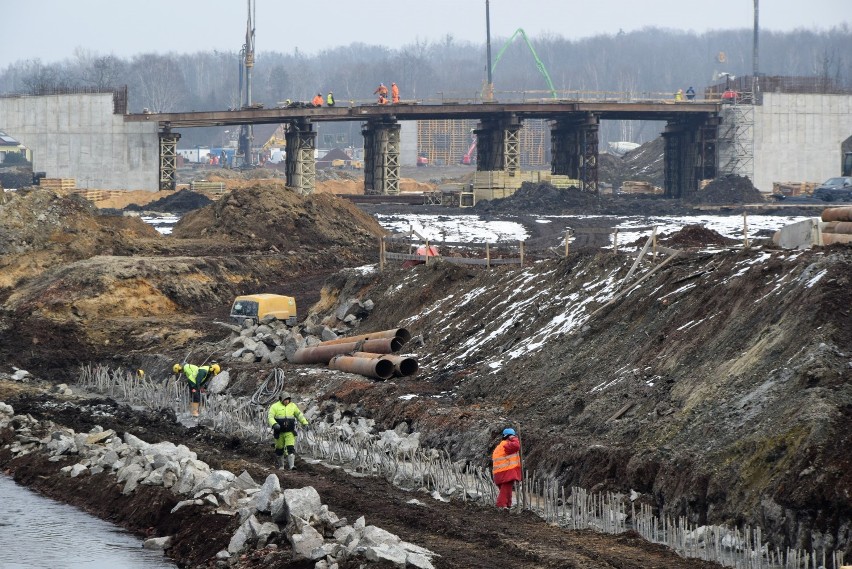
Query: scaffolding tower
x,y
736,138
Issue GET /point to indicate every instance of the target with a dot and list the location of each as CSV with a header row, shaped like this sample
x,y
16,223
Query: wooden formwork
x,y
446,141
491,185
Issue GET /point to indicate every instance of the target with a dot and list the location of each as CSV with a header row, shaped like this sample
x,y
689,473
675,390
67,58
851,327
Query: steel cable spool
x,y
269,389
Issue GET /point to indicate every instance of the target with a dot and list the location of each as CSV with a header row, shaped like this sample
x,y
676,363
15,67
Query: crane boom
x,y
538,63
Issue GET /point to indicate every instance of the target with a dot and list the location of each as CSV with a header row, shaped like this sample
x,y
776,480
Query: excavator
x,y
468,157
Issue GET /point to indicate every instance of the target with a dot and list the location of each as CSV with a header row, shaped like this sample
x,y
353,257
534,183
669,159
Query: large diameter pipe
x,y
403,366
321,354
401,333
378,368
837,214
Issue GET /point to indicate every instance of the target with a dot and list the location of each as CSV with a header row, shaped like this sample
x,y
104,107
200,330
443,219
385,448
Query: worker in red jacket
x,y
506,466
317,100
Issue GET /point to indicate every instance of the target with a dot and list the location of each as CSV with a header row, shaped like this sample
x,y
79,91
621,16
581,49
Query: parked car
x,y
835,189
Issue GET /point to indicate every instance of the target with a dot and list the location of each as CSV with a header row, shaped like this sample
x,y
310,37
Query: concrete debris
x,y
313,531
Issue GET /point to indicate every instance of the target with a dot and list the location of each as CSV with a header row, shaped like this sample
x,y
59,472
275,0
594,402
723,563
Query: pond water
x,y
38,532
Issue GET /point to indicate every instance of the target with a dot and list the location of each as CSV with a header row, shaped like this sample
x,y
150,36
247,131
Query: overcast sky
x,y
51,30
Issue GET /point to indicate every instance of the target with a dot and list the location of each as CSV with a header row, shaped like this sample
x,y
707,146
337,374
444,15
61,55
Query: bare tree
x,y
160,81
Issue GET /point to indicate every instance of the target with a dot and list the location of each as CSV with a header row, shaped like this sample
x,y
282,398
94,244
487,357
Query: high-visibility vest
x,y
501,462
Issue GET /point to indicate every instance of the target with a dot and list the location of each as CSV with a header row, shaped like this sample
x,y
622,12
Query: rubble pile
x,y
269,515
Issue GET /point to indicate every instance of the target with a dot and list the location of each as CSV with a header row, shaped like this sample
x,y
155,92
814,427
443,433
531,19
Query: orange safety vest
x,y
506,466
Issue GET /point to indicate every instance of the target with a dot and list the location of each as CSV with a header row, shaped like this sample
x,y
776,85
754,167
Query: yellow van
x,y
256,306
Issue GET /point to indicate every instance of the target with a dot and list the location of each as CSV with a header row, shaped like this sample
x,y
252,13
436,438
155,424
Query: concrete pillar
x,y
498,145
574,149
300,163
690,156
381,157
168,159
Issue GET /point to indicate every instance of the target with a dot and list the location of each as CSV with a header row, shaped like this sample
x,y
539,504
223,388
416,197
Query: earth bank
x,y
718,389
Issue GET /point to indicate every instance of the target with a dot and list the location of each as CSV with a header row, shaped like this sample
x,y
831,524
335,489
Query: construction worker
x,y
394,93
197,377
317,100
329,100
506,466
679,96
282,417
382,92
690,93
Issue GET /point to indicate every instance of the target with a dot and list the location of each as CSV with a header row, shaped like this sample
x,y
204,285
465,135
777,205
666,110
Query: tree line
x,y
650,62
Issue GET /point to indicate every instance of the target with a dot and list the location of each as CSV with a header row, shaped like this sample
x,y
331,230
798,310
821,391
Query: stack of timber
x,y
96,196
791,189
60,185
837,225
211,190
639,187
370,355
497,184
562,182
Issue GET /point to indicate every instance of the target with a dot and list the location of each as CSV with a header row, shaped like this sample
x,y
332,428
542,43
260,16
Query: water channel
x,y
38,532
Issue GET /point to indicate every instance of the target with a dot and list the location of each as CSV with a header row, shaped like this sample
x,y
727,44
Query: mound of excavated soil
x,y
728,189
270,216
180,202
41,231
696,236
540,198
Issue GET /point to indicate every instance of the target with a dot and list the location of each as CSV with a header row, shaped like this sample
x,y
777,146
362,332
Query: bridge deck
x,y
635,110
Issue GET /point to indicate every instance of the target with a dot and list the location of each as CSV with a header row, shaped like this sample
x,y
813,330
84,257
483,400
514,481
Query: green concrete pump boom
x,y
538,62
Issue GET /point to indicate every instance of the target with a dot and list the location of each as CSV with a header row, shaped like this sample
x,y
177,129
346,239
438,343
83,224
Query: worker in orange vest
x,y
382,92
506,466
394,93
317,100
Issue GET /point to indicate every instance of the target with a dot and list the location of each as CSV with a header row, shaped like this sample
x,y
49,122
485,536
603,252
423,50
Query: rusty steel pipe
x,y
403,366
401,333
378,368
321,354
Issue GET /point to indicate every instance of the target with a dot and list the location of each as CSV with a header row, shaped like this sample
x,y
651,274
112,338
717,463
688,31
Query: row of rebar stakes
x,y
436,471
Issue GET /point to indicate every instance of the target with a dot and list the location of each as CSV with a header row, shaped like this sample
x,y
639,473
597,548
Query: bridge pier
x,y
498,145
690,156
168,159
300,163
574,150
381,157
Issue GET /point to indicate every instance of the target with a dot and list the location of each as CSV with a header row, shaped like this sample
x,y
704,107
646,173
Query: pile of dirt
x,y
180,203
645,163
540,198
730,189
275,217
695,236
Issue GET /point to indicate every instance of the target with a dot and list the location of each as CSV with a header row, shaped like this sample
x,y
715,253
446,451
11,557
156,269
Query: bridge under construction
x,y
691,137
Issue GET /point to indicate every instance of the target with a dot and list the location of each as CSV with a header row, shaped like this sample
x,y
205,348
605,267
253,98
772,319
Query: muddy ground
x,y
464,535
718,390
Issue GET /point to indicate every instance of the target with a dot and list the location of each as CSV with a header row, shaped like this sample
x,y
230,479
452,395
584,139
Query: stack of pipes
x,y
369,355
837,225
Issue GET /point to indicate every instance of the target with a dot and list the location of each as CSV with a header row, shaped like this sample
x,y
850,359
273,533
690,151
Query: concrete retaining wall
x,y
797,137
78,136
